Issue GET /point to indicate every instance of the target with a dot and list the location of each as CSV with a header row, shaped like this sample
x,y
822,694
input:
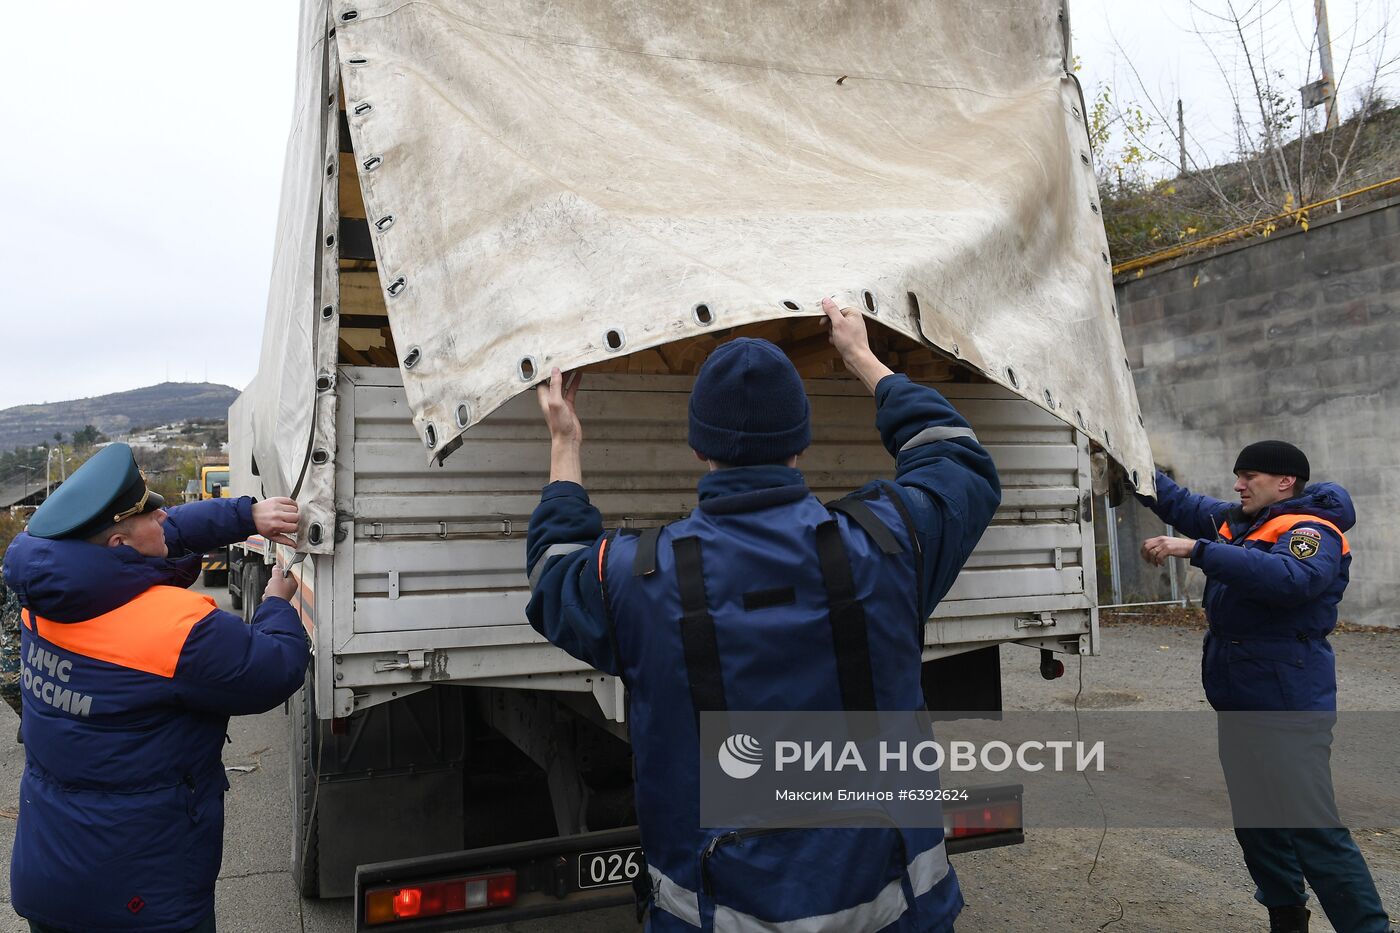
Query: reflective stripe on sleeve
x,y
932,435
554,550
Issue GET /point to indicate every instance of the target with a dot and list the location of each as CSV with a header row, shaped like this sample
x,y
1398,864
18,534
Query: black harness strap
x,y
848,629
861,514
698,631
644,561
914,547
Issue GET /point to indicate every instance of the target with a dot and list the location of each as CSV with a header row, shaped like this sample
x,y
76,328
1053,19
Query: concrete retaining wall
x,y
1295,337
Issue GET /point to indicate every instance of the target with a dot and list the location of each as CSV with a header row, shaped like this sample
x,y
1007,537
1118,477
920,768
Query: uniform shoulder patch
x,y
1304,543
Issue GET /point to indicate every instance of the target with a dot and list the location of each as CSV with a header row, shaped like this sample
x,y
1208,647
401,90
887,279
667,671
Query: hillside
x,y
1143,216
116,413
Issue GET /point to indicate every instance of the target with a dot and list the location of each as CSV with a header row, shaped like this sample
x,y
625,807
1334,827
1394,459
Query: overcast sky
x,y
143,159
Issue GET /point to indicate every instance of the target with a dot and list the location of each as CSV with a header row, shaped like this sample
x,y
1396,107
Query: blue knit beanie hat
x,y
748,405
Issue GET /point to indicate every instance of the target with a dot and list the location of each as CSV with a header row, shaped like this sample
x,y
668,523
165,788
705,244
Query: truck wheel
x,y
304,728
254,580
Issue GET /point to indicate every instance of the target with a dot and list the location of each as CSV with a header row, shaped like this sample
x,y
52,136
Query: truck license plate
x,y
610,867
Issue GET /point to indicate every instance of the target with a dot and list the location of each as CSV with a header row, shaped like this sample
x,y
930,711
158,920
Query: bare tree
x,y
1283,162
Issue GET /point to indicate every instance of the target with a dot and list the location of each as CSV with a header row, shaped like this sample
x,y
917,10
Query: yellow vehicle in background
x,y
213,484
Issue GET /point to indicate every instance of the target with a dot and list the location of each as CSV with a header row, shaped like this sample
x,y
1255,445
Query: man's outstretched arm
x,y
1189,513
564,546
945,477
198,527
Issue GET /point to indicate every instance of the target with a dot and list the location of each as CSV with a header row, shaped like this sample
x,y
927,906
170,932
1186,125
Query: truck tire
x,y
255,577
304,728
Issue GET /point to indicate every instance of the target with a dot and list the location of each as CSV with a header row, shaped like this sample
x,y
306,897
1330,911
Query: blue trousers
x,y
1280,859
1280,774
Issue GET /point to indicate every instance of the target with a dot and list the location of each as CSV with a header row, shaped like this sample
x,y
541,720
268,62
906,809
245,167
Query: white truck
x,y
477,192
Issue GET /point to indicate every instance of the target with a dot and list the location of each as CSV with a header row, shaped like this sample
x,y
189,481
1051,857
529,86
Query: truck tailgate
x,y
430,582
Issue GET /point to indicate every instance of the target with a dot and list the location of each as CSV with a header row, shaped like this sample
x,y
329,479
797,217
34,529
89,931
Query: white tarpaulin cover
x,y
278,411
544,173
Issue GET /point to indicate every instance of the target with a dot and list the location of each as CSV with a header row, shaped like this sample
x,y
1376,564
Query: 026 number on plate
x,y
610,867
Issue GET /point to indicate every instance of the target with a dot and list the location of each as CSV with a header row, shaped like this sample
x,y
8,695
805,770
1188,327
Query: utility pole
x,y
27,471
48,472
1181,135
1324,55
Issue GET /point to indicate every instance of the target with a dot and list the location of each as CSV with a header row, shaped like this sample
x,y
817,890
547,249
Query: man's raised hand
x,y
276,519
557,403
849,338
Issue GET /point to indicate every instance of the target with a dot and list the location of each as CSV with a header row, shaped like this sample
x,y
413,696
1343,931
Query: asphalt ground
x,y
1172,881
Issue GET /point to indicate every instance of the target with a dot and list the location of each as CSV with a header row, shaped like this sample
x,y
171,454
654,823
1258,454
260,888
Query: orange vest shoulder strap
x,y
147,634
1225,531
1280,525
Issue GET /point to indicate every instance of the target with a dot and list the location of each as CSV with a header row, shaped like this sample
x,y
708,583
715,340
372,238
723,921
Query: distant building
x,y
14,495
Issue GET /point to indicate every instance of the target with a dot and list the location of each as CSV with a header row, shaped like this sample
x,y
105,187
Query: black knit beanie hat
x,y
1277,457
748,405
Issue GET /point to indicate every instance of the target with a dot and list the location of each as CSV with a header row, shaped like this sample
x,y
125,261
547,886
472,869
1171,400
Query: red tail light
x,y
437,898
981,820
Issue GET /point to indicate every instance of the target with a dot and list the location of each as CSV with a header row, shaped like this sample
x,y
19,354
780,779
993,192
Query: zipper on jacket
x,y
733,837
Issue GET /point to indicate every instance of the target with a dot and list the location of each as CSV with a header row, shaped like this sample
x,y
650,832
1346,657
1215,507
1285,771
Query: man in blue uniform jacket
x,y
763,598
128,682
1276,566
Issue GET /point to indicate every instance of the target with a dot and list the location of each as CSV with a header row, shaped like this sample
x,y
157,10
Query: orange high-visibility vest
x,y
147,634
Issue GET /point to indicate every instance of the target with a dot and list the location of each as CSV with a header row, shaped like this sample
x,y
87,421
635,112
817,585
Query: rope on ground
x,y
1103,814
